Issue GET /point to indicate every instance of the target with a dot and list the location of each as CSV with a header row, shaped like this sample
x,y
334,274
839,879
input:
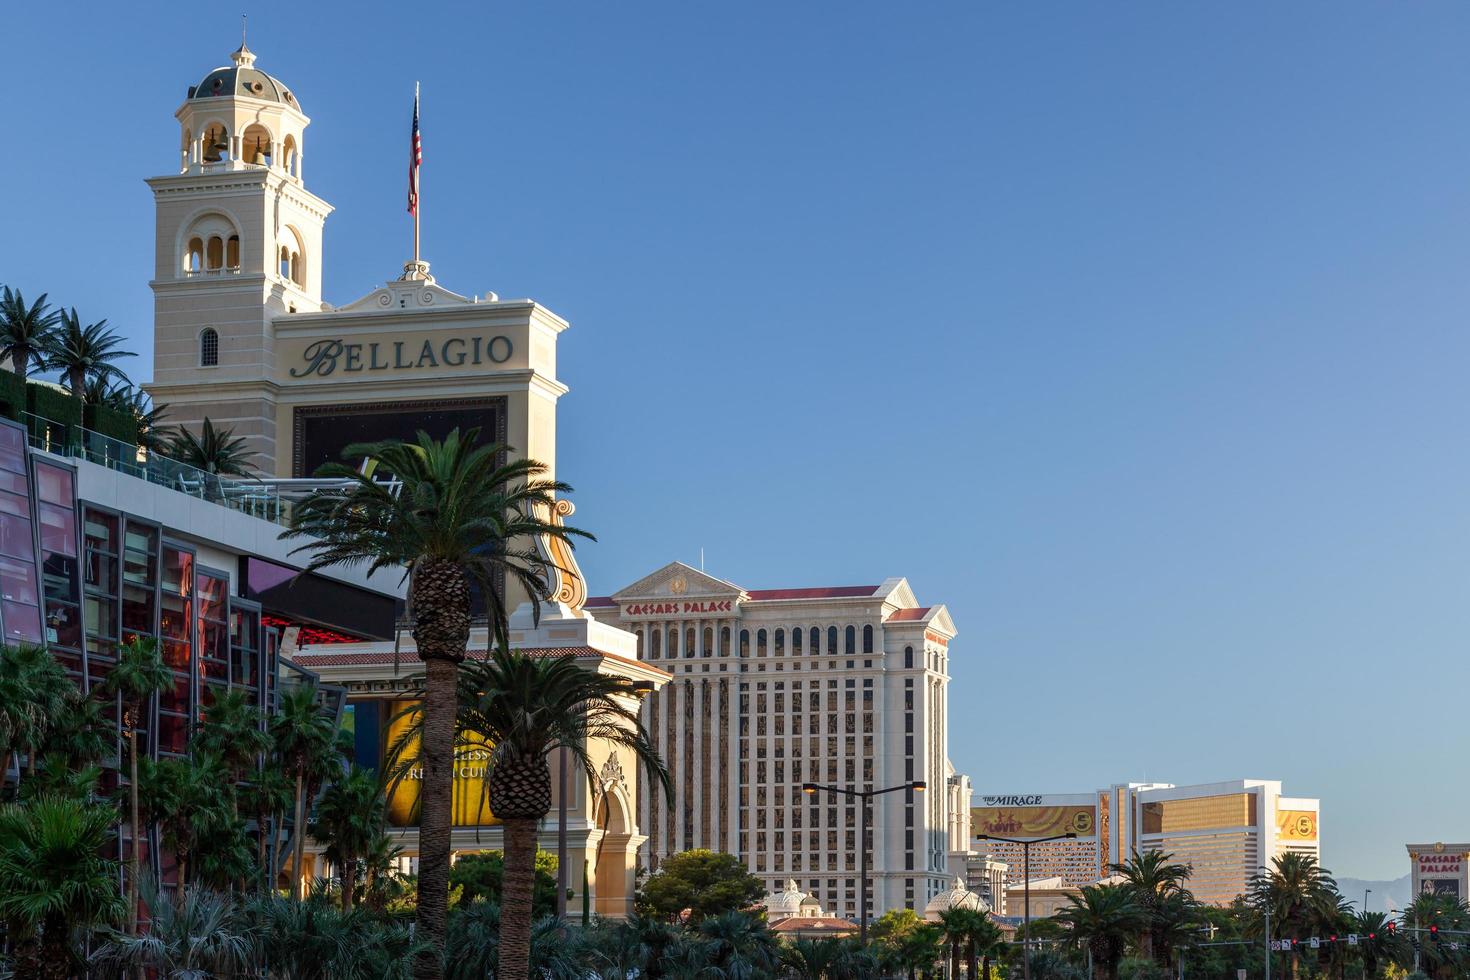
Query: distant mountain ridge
x,y
1387,896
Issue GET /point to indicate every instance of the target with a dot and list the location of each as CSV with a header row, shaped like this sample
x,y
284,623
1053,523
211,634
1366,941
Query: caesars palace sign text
x,y
326,357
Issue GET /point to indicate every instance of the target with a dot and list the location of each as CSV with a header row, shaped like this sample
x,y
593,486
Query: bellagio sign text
x,y
324,357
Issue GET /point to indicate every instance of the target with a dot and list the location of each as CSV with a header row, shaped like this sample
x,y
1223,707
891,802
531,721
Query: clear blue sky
x,y
1133,332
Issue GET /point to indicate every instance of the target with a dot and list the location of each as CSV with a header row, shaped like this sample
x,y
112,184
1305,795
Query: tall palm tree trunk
x,y
985,967
56,955
298,835
516,898
18,362
349,881
134,865
77,378
436,756
970,959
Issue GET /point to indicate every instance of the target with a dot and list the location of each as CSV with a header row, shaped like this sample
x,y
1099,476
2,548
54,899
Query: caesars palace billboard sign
x,y
324,358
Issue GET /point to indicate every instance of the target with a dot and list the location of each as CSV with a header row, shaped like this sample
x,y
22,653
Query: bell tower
x,y
238,243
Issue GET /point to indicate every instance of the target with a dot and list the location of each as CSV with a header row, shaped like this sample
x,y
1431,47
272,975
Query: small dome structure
x,y
958,897
242,79
785,904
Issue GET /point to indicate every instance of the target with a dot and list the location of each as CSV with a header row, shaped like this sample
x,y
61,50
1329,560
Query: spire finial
x,y
243,57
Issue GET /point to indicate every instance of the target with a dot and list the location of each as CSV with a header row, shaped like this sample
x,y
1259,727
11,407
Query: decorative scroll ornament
x,y
567,585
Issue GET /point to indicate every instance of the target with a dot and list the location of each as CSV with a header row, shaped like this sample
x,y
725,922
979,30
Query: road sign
x,y
1316,943
1352,939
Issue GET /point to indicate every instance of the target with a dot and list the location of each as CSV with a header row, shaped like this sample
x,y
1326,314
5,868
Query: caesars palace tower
x,y
756,691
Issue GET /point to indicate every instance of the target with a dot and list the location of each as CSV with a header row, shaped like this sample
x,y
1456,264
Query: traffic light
x,y
1434,931
1392,928
1372,936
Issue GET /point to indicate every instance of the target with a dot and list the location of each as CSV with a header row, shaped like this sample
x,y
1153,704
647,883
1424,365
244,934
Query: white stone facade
x,y
771,689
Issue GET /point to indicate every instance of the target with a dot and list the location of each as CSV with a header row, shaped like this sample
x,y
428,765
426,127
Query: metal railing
x,y
258,498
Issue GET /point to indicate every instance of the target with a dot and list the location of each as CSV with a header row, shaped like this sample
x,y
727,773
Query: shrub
x,y
12,396
111,422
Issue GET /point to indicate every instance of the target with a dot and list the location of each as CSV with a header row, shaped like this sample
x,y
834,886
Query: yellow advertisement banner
x,y
471,762
1296,824
1033,821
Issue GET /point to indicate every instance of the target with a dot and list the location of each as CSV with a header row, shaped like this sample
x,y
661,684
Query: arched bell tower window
x,y
257,145
208,347
214,254
215,145
293,259
290,156
194,256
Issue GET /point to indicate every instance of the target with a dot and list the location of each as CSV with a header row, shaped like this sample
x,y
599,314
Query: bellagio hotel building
x,y
844,686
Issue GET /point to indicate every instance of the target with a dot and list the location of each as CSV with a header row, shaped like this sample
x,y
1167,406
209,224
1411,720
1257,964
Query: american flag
x,y
415,158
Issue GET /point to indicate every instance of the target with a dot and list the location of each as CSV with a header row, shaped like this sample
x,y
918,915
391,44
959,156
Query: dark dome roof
x,y
241,79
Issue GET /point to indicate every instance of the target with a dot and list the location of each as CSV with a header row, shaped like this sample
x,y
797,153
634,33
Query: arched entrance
x,y
616,853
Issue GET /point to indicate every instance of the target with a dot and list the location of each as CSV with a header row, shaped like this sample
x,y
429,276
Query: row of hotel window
x,y
656,645
83,595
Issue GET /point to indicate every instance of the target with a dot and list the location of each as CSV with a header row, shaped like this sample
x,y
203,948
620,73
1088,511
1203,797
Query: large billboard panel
x,y
1033,819
1296,824
471,761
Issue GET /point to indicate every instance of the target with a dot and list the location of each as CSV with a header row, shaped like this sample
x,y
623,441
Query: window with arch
x,y
673,643
816,644
867,639
760,643
215,144
851,645
780,649
709,641
655,638
210,244
257,146
689,642
290,156
908,657
194,255
796,642
293,260
724,641
745,643
832,640
208,347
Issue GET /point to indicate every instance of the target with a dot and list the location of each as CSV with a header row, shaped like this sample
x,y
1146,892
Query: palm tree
x,y
1153,876
812,959
188,799
648,939
349,821
958,925
20,712
986,942
305,741
201,935
914,950
1376,942
53,877
380,876
475,945
232,729
122,396
740,945
526,708
1102,918
1300,896
80,352
460,519
25,330
136,678
81,734
268,797
44,681
217,451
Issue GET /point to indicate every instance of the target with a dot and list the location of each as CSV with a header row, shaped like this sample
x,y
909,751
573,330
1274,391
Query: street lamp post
x,y
1026,843
863,796
1366,893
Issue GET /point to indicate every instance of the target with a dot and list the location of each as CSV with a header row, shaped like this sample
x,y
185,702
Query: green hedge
x,y
12,395
110,422
53,405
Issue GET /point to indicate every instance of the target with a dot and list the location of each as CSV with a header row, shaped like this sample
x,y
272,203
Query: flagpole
x,y
418,186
